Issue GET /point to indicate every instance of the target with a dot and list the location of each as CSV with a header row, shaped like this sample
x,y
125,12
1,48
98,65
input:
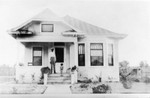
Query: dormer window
x,y
47,27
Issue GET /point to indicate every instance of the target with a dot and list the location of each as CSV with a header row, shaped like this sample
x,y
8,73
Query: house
x,y
92,49
145,71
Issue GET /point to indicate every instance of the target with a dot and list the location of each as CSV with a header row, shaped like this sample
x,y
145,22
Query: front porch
x,y
36,57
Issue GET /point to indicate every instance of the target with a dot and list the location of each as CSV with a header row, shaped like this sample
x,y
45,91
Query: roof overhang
x,y
28,22
117,36
74,34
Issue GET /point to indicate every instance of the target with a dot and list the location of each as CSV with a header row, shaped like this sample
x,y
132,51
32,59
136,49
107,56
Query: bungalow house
x,y
92,49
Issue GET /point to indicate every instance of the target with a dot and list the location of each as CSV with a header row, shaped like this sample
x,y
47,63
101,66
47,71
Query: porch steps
x,y
58,79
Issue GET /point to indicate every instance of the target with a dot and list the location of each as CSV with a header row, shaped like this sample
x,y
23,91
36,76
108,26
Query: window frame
x,y
47,31
99,56
79,54
112,55
37,56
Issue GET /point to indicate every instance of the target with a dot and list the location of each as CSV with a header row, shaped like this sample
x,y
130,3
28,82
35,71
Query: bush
x,y
102,89
84,85
85,81
136,80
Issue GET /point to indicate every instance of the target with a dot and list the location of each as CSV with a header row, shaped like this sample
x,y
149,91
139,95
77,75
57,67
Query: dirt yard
x,y
117,88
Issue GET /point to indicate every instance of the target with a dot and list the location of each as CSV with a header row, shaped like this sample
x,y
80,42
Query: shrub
x,y
102,89
126,74
127,84
85,81
84,85
136,80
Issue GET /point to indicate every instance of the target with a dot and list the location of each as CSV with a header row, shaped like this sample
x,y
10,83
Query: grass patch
x,y
22,89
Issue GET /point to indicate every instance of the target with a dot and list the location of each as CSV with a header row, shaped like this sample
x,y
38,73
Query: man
x,y
52,58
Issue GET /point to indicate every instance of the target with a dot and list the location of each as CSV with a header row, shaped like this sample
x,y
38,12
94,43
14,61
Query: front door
x,y
59,51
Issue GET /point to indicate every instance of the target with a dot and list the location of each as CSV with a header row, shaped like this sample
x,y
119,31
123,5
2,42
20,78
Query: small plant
x,y
14,90
33,77
21,64
98,78
110,78
102,89
74,68
22,78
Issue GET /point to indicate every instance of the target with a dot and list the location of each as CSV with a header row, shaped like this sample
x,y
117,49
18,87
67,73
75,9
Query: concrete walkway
x,y
58,89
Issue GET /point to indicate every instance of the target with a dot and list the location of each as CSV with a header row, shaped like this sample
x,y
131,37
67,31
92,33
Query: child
x,y
61,69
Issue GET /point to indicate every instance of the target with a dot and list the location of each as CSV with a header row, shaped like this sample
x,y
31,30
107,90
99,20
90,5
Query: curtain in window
x,y
81,54
37,56
96,54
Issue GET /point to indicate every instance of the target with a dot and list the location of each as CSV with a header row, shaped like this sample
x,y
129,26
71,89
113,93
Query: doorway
x,y
59,51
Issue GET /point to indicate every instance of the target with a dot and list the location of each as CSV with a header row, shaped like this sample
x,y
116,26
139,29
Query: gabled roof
x,y
89,28
78,25
46,15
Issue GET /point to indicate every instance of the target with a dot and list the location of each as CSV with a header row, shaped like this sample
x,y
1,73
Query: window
x,y
37,56
96,54
81,54
110,55
47,28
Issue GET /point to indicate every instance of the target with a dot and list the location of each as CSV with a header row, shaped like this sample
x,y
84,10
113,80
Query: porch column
x,y
76,53
45,79
75,74
17,62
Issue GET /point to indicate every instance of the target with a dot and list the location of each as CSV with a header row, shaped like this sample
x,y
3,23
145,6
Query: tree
x,y
143,64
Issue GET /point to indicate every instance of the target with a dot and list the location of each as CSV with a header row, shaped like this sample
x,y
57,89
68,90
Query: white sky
x,y
130,17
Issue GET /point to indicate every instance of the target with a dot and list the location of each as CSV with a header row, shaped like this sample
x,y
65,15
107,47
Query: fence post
x,y
45,79
72,78
75,76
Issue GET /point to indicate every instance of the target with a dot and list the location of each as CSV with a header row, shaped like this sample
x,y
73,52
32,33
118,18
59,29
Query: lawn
x,y
9,86
22,89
